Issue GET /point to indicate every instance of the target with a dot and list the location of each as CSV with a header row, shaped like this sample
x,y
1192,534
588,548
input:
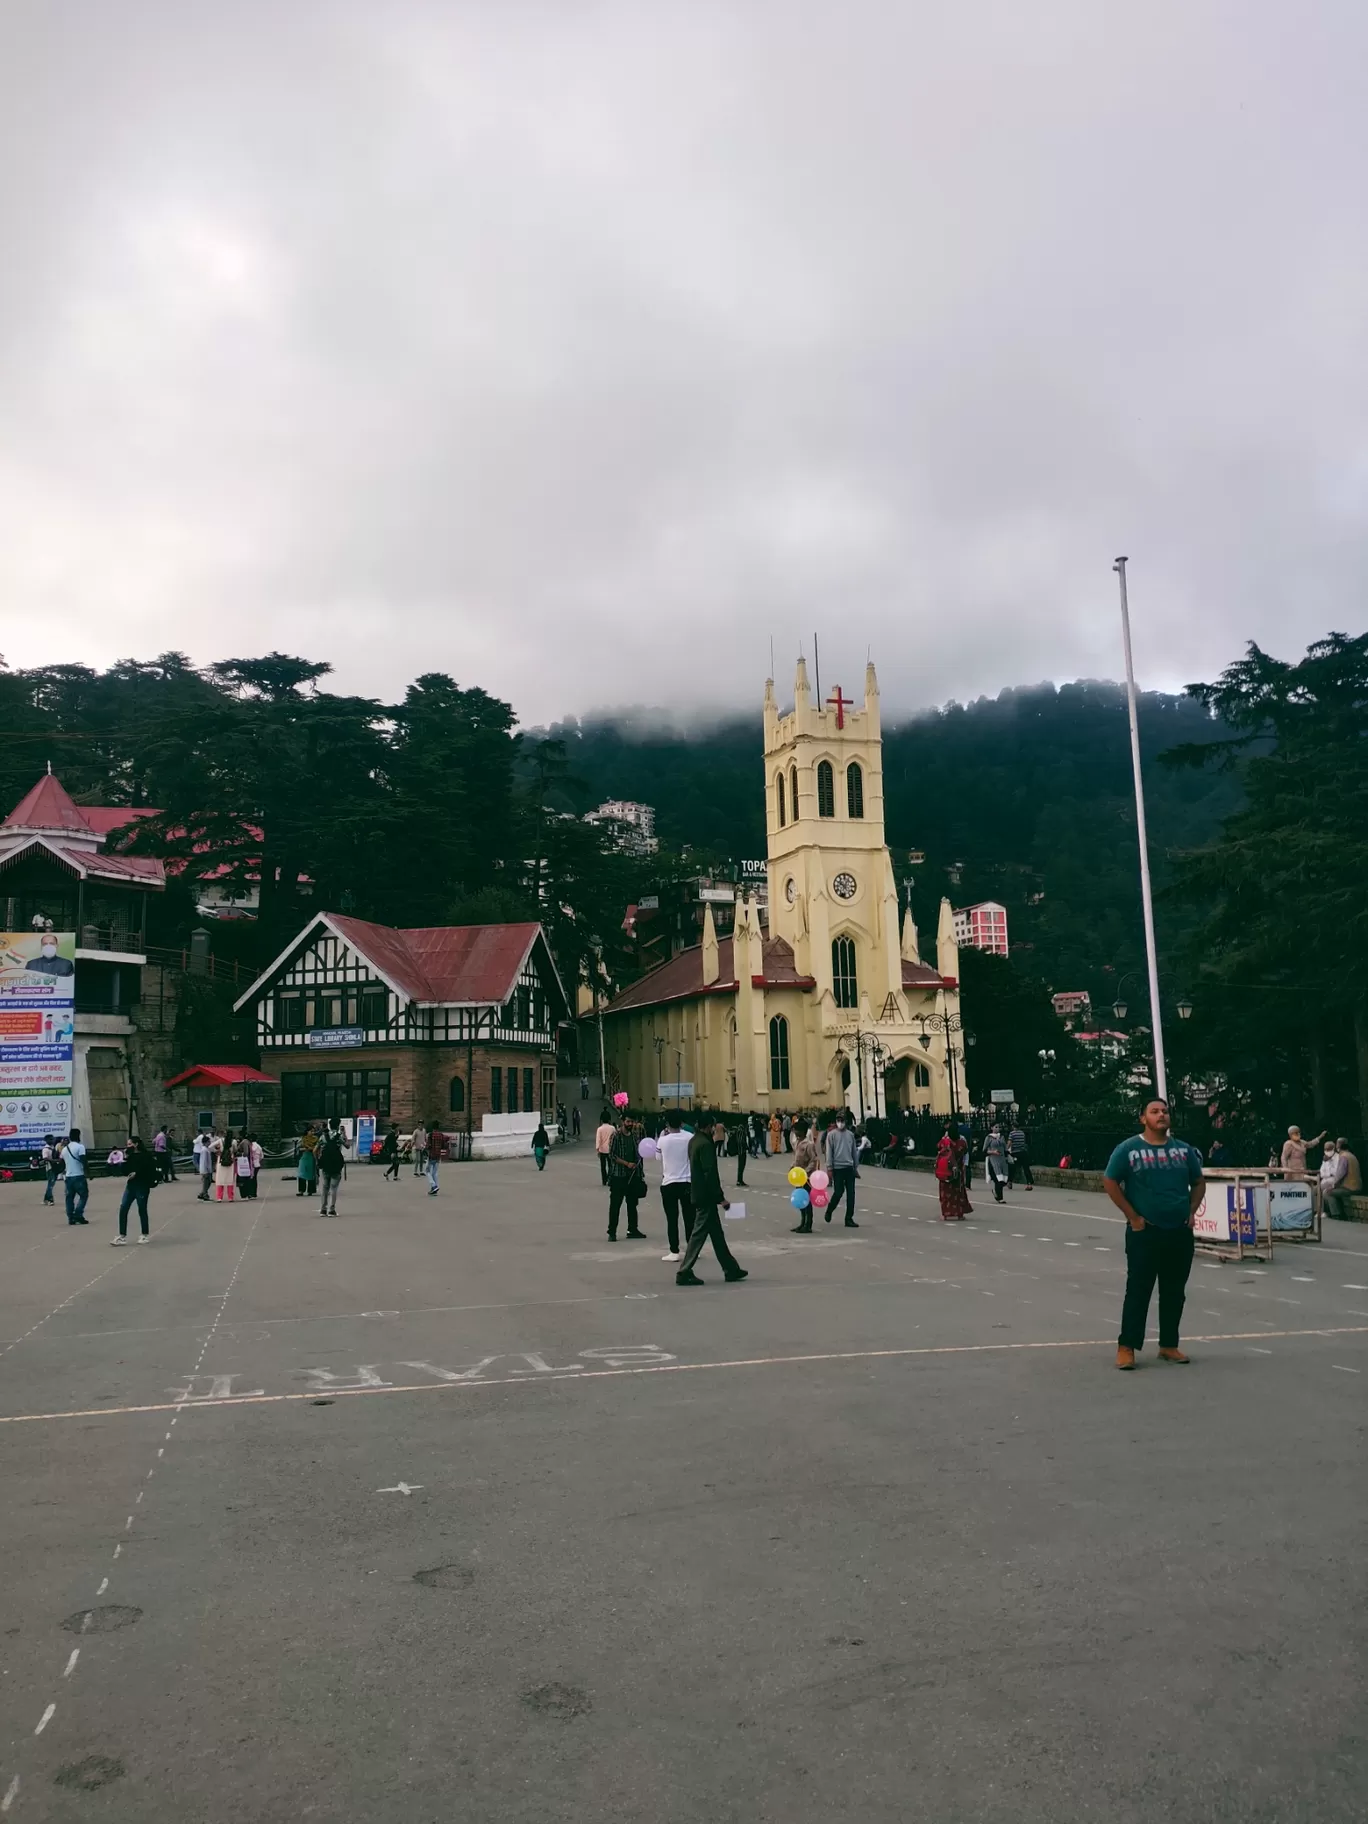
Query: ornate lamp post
x,y
948,1024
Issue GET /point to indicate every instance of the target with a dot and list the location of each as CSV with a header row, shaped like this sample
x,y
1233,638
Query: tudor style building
x,y
448,1023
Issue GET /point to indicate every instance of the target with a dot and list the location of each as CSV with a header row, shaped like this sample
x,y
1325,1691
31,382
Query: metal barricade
x,y
1246,1211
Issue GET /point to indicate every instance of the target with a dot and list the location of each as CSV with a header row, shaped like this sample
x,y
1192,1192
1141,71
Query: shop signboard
x,y
37,1035
335,1038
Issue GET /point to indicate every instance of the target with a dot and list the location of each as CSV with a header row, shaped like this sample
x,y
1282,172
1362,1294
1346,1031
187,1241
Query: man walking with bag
x,y
332,1162
1156,1183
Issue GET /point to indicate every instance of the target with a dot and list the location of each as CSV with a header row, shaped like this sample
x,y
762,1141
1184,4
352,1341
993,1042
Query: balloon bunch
x,y
801,1197
821,1190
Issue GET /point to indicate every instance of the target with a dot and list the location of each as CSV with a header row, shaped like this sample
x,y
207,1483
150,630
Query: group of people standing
x,y
228,1164
690,1192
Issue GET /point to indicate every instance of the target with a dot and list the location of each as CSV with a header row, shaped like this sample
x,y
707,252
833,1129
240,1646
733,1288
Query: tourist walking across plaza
x,y
806,1156
51,1164
332,1163
202,1152
436,1148
418,1148
950,1177
541,1146
225,1168
77,1184
708,1200
673,1146
144,1171
1156,1183
1019,1156
842,1153
996,1161
389,1152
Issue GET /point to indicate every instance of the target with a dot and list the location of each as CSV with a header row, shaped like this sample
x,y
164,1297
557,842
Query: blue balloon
x,y
800,1199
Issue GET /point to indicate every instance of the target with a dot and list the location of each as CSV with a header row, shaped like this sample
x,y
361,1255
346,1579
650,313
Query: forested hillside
x,y
1029,793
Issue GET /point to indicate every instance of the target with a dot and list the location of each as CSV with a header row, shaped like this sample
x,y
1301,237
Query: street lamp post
x,y
866,1044
949,1024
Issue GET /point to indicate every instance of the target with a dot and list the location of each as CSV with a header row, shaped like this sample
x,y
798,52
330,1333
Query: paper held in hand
x,y
736,1213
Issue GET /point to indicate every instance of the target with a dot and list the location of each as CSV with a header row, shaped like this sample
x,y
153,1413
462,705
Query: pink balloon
x,y
621,1099
820,1199
819,1181
647,1149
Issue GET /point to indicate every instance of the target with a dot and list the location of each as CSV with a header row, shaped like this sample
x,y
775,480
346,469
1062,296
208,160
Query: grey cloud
x,y
583,350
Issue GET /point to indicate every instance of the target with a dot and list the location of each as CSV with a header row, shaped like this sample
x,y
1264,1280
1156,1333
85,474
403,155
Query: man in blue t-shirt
x,y
1156,1183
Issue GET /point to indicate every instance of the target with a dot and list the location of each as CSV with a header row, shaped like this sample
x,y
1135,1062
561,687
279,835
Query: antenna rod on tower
x,y
817,668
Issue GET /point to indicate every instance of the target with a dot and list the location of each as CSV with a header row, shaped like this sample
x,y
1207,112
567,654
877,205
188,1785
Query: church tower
x,y
832,894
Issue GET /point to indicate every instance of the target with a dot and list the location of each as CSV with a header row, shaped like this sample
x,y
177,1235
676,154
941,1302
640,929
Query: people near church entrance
x,y
1019,1156
437,1148
541,1146
950,1159
77,1184
144,1171
603,1143
841,1155
306,1168
1348,1183
996,1161
1295,1149
1156,1183
706,1195
673,1147
776,1133
626,1179
389,1152
332,1165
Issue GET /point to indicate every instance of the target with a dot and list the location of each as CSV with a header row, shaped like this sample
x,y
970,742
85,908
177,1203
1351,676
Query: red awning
x,y
210,1076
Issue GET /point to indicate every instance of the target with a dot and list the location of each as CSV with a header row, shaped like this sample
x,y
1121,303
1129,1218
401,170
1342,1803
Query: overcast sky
x,y
580,349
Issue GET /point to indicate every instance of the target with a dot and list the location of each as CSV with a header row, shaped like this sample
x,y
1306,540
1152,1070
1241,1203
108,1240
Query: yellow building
x,y
832,1003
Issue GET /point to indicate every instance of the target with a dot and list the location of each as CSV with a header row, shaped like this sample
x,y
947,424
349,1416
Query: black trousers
x,y
678,1203
842,1185
741,1162
619,1191
603,1167
707,1226
1020,1163
1154,1254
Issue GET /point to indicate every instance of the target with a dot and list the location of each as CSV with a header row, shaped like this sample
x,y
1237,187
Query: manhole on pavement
x,y
563,1701
89,1775
445,1577
107,1619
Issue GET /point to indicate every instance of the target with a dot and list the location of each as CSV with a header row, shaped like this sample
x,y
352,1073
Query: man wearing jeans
x,y
1156,1183
144,1170
77,1184
842,1151
674,1182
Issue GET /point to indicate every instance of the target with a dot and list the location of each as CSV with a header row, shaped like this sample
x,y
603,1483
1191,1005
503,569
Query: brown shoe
x,y
1125,1358
1174,1355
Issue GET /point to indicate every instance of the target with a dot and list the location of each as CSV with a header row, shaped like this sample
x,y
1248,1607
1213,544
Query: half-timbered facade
x,y
448,1023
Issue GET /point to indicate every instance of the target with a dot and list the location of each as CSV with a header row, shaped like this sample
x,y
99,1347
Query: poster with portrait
x,y
37,1036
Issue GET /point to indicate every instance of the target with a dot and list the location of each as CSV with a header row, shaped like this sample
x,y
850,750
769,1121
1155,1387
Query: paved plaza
x,y
449,1509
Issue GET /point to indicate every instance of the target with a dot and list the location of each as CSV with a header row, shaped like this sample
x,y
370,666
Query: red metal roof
x,y
473,964
142,870
104,819
48,806
918,975
207,1076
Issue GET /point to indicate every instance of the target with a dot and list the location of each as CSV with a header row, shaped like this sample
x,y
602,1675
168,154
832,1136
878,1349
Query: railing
x,y
215,968
110,937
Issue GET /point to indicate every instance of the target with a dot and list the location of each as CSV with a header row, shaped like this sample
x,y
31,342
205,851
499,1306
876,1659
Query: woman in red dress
x,y
954,1197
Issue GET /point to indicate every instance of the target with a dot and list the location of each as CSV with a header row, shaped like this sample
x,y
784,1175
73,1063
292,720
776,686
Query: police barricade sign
x,y
1232,1219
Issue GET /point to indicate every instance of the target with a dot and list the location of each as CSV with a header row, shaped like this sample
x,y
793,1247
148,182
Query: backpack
x,y
330,1156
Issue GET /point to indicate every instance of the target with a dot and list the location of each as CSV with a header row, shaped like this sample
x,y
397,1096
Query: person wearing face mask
x,y
47,961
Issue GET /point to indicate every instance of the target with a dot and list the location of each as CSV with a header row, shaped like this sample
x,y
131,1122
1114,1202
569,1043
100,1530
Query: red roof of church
x,y
205,1076
49,806
681,978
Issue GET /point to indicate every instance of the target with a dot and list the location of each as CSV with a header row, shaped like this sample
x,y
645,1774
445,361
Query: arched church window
x,y
779,794
843,979
456,1100
854,789
921,1076
779,1052
826,789
793,791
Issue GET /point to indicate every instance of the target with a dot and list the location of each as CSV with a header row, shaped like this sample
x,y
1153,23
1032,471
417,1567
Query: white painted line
x,y
1016,1236
1261,1352
400,1488
1342,1369
117,1550
86,1620
1349,1286
11,1794
71,1663
45,1718
103,1587
1303,1279
992,1231
128,1524
1101,1250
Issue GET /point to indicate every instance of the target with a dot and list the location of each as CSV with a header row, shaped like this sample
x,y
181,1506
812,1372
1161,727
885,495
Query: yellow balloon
x,y
797,1177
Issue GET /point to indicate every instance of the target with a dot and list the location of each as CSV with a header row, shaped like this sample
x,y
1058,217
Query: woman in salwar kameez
x,y
954,1197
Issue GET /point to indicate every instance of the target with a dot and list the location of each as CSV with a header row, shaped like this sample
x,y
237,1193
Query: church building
x,y
828,1002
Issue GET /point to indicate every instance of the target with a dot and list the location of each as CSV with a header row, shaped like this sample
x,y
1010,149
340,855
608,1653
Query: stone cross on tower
x,y
842,703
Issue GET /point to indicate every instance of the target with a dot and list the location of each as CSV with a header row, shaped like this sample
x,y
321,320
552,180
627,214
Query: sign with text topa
x,y
37,1035
675,1092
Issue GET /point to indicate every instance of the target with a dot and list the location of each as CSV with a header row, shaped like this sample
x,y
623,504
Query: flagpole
x,y
1146,891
